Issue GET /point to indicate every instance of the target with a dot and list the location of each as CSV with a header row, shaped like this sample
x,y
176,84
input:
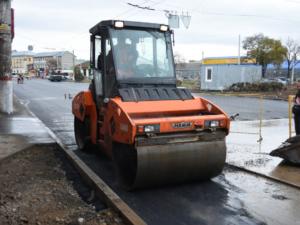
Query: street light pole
x,y
73,53
57,63
239,50
6,92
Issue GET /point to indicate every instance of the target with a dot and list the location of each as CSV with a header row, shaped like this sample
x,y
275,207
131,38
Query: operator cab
x,y
133,60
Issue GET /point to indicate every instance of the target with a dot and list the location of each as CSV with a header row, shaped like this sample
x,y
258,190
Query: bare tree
x,y
51,64
292,56
178,58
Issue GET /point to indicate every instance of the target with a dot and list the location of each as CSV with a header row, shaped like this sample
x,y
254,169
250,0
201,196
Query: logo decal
x,y
182,125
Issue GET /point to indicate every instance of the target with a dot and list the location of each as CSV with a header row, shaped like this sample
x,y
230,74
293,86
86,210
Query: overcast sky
x,y
214,29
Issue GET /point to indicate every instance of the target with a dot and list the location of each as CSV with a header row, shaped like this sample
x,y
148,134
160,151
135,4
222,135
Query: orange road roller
x,y
154,132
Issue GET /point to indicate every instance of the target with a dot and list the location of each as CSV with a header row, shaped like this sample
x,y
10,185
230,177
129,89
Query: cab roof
x,y
130,24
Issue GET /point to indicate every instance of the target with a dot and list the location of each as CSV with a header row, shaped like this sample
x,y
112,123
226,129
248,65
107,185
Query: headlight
x,y
151,128
212,123
164,27
119,24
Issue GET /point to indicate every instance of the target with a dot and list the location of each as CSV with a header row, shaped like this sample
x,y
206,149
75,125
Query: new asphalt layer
x,y
234,197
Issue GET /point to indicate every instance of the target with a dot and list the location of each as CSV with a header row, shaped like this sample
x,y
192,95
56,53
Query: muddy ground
x,y
39,186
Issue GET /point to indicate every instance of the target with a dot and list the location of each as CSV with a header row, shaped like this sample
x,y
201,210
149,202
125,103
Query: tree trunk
x,y
6,92
263,70
288,69
293,74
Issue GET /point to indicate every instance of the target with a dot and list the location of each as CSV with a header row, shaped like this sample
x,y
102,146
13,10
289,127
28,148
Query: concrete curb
x,y
103,191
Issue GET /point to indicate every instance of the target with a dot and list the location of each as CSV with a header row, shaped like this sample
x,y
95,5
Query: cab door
x,y
97,65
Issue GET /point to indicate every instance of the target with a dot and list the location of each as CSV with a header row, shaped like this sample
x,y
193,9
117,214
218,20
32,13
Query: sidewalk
x,y
20,130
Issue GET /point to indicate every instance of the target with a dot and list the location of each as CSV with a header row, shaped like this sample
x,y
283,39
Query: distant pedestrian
x,y
20,79
296,112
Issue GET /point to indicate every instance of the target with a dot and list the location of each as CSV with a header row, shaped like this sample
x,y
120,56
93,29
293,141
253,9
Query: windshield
x,y
142,54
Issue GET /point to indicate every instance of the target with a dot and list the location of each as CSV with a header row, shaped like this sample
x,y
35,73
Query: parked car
x,y
56,77
283,80
66,76
14,76
268,80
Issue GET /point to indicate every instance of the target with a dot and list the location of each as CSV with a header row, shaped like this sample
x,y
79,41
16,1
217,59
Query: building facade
x,y
219,73
222,76
84,68
21,62
227,60
63,60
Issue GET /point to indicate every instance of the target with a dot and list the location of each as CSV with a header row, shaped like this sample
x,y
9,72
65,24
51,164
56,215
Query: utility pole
x,y
57,67
73,64
73,59
6,86
239,50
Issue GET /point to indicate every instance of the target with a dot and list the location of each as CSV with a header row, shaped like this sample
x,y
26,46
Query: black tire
x,y
82,135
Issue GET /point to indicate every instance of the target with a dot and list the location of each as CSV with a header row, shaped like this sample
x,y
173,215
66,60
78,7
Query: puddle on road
x,y
245,151
270,202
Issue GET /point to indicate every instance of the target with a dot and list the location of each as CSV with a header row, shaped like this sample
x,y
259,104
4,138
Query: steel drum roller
x,y
148,166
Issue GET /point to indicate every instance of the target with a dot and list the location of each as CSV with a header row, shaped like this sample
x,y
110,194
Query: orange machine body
x,y
123,122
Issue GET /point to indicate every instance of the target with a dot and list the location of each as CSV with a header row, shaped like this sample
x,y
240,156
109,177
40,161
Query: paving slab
x,y
247,152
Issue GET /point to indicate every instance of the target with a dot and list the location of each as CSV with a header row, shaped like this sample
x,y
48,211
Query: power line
x,y
173,18
141,7
138,10
130,10
150,8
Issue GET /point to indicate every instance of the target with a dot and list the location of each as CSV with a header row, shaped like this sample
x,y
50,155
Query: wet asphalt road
x,y
231,198
250,108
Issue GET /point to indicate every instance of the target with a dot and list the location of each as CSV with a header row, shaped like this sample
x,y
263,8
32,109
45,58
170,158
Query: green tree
x,y
264,50
77,74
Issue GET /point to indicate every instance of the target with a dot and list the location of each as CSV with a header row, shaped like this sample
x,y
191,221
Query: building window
x,y
208,74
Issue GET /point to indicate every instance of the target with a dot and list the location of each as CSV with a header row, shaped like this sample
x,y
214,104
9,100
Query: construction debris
x,y
289,150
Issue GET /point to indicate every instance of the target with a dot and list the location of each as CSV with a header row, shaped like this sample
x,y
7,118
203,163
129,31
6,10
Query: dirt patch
x,y
40,186
10,144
